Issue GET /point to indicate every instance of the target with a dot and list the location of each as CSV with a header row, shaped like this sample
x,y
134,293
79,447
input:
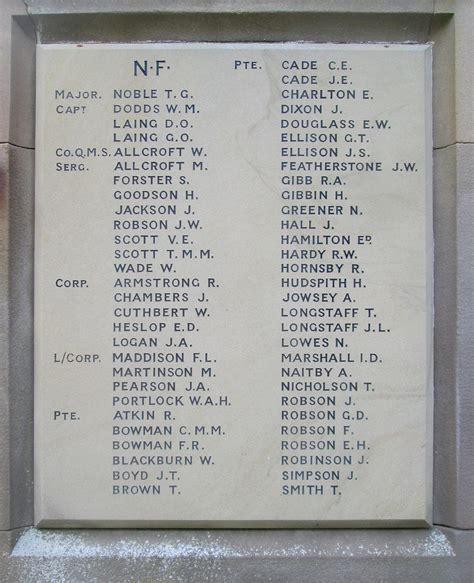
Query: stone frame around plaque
x,y
443,552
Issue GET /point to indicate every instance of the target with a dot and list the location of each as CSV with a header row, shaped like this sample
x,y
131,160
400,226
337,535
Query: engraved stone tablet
x,y
233,285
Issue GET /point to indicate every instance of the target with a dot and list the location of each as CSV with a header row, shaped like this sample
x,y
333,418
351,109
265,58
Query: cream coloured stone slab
x,y
233,297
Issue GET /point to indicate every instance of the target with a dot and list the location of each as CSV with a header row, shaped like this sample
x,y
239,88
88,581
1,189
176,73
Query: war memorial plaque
x,y
233,285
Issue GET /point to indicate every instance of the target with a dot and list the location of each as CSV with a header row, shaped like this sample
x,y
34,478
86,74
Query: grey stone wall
x,y
443,553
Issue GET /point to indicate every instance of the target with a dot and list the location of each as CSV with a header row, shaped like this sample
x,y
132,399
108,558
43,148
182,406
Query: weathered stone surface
x,y
21,221
444,91
17,75
444,215
428,556
465,337
454,472
16,366
464,24
222,6
4,348
22,90
233,27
